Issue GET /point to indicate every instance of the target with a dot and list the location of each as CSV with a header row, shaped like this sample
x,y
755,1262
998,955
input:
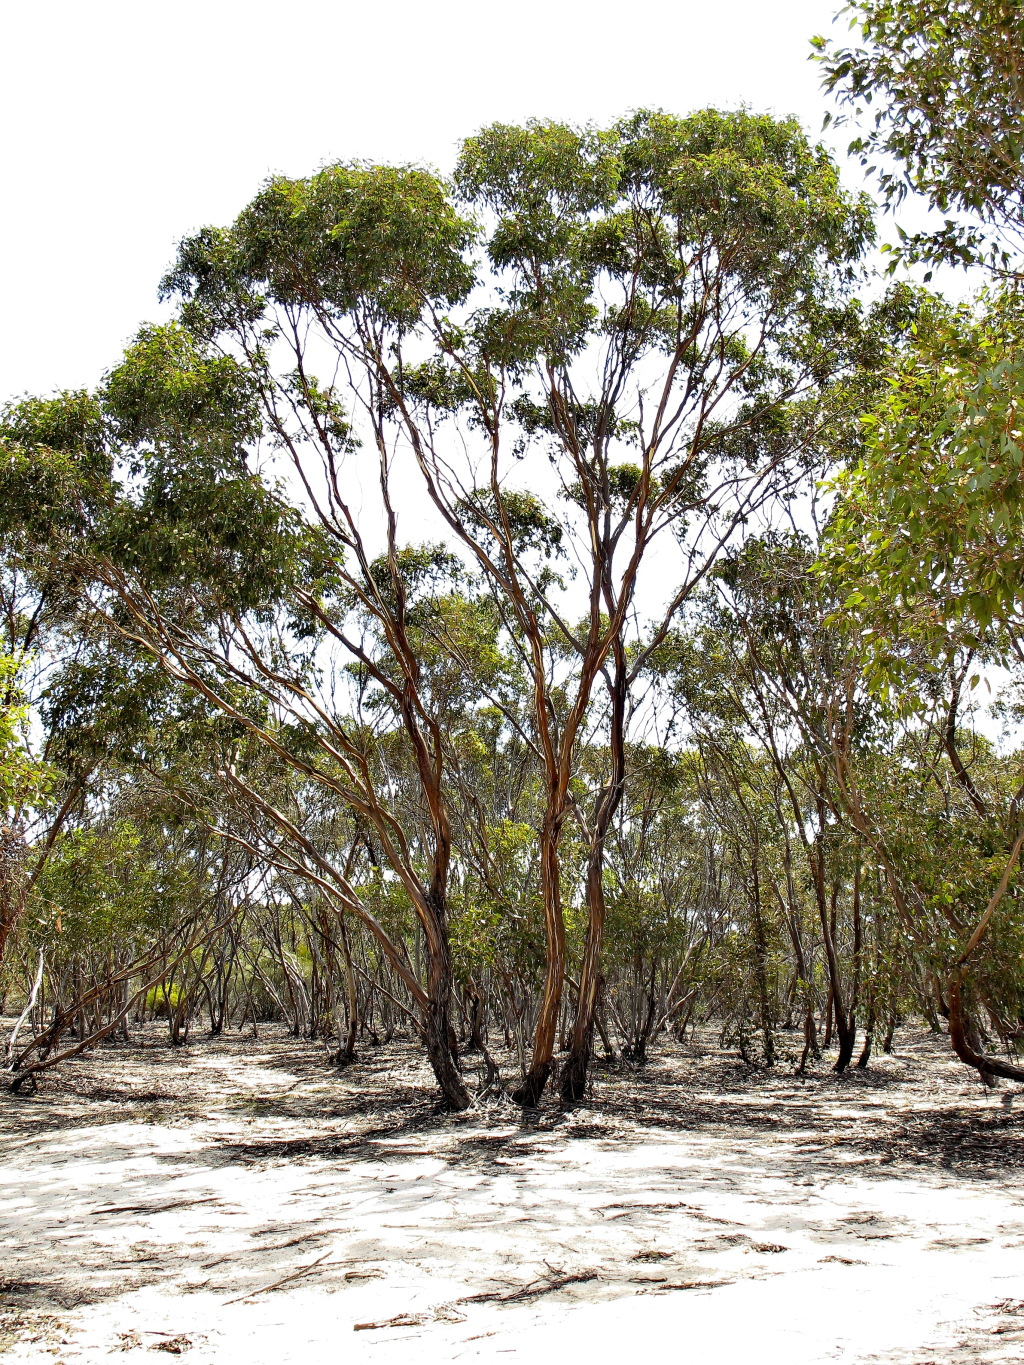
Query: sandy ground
x,y
236,1201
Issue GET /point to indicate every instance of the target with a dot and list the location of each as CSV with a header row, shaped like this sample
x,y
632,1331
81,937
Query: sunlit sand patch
x,y
258,1210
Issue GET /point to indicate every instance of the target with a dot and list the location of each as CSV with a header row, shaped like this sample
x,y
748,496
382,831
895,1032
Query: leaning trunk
x,y
967,1044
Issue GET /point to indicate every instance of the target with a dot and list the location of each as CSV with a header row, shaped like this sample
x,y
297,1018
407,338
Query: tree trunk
x,y
845,1024
865,1055
810,1041
529,1093
967,1044
475,1014
574,1073
439,1035
761,970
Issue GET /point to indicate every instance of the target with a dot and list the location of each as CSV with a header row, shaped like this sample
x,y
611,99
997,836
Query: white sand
x,y
413,1219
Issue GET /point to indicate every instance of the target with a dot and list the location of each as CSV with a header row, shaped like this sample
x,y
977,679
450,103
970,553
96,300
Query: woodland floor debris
x,y
153,1197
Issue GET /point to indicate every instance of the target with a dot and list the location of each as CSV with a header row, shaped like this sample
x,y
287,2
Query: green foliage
x,y
55,467
164,1000
23,778
944,80
421,759
380,238
748,187
103,887
192,513
926,542
174,400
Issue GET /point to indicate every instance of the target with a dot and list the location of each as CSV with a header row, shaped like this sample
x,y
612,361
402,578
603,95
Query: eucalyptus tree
x,y
295,664
885,785
651,307
588,342
925,544
789,687
924,552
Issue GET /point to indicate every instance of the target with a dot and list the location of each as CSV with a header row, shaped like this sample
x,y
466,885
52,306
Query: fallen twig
x,y
399,1320
683,1284
531,1290
445,1312
285,1279
156,1208
294,1242
627,1209
273,1246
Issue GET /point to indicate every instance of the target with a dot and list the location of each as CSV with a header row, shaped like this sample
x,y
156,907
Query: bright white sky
x,y
128,125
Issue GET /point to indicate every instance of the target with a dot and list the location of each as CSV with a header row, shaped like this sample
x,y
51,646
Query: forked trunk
x,y
574,1073
528,1094
847,1032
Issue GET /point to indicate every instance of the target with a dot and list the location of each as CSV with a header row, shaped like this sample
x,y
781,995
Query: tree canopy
x,y
534,607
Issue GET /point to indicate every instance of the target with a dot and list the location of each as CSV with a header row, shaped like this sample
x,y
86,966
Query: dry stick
x,y
157,1208
285,1279
627,1209
294,1242
399,1320
531,1290
663,1287
274,1246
